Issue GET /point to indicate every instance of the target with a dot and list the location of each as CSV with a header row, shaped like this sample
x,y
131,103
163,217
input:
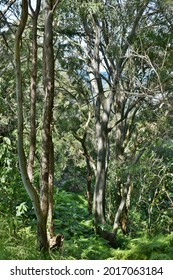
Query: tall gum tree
x,y
100,34
33,88
32,192
47,156
43,201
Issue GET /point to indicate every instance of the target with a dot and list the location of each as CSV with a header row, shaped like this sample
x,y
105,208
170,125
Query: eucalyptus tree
x,y
107,33
110,28
41,200
126,76
121,74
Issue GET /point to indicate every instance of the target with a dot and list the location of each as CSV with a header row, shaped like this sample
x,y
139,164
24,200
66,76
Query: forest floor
x,y
18,241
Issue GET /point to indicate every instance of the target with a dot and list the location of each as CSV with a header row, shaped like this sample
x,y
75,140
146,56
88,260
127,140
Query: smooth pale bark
x,y
101,122
122,203
101,172
103,105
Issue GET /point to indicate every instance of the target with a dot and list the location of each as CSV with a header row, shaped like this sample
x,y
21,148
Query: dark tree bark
x,y
47,145
33,90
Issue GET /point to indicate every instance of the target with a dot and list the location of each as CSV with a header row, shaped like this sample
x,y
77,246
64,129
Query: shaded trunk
x,y
103,101
102,114
89,192
47,146
102,108
122,204
89,177
42,236
89,173
50,224
125,213
89,169
33,91
109,236
101,174
125,197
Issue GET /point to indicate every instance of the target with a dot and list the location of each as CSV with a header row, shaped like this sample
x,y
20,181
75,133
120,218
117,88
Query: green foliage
x,y
21,209
73,222
80,239
154,176
16,245
10,180
143,248
145,85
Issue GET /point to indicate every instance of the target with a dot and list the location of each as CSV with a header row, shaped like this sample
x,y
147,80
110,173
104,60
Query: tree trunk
x,y
122,203
89,169
101,174
50,225
89,175
126,195
22,158
47,146
33,89
102,108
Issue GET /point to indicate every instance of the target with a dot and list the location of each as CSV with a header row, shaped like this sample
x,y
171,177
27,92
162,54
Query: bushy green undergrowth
x,y
144,248
18,241
19,244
